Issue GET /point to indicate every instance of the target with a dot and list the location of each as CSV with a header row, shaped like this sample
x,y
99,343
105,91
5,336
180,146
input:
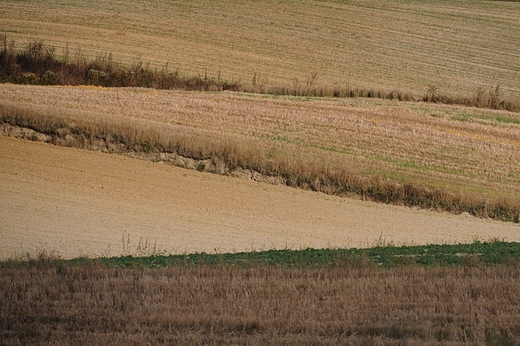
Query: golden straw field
x,y
226,305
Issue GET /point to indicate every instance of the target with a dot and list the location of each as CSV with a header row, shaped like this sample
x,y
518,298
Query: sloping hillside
x,y
459,47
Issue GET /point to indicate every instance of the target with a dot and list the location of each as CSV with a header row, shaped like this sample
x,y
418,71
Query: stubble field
x,y
456,46
258,305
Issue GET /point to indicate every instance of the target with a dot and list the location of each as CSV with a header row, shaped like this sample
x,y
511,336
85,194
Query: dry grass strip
x,y
225,305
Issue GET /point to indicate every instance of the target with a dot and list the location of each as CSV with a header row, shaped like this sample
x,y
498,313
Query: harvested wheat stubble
x,y
457,46
75,202
259,305
450,147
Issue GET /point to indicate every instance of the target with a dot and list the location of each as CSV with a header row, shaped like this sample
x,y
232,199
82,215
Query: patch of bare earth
x,y
82,203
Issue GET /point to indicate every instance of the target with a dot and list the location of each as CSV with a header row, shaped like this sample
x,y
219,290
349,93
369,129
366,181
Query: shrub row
x,y
38,63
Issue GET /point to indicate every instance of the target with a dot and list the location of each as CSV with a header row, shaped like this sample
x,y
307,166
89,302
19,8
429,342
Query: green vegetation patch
x,y
476,253
487,253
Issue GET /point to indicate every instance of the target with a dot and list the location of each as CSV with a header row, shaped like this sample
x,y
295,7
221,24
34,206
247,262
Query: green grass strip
x,y
477,253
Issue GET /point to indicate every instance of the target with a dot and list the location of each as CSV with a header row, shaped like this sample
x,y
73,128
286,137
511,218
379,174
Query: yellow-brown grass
x,y
65,305
457,47
450,158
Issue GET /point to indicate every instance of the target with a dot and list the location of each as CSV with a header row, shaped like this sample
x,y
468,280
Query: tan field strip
x,y
76,202
458,46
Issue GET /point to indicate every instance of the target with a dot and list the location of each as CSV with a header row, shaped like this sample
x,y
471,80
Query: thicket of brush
x,y
37,63
40,64
224,154
48,302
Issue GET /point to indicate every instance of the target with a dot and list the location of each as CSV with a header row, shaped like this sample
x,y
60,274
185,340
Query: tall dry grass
x,y
491,98
40,64
48,303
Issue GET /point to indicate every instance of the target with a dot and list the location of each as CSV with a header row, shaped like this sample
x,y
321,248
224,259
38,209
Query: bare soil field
x,y
82,203
456,46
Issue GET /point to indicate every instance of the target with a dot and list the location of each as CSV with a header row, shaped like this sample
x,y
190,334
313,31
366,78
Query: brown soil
x,y
82,203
